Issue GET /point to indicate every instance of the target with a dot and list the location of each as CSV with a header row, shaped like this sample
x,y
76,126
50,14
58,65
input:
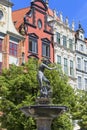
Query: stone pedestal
x,y
43,123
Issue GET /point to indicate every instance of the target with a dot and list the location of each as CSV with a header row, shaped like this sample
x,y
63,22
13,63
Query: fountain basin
x,y
43,110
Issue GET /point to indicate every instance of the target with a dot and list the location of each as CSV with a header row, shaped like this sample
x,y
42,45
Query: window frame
x,y
1,14
71,44
85,65
58,59
39,23
13,47
47,49
65,65
34,47
81,47
64,41
78,63
71,68
58,37
0,45
79,82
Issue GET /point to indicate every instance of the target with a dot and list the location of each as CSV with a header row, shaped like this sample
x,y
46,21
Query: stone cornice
x,y
6,3
19,37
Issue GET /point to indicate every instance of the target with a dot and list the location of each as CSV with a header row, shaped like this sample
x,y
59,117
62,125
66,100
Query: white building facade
x,y
64,46
9,37
81,59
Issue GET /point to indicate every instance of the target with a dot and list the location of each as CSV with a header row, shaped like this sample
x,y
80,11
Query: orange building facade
x,y
32,24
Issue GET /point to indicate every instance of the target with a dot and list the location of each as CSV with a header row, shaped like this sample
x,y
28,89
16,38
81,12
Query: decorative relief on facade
x,y
22,29
2,15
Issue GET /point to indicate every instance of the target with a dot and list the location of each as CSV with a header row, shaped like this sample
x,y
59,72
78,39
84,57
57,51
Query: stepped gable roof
x,y
18,15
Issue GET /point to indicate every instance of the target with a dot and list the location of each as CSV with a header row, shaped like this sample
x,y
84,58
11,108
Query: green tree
x,y
63,94
81,109
19,87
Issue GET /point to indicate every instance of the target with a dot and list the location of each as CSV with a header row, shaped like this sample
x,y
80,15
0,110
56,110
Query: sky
x,y
73,9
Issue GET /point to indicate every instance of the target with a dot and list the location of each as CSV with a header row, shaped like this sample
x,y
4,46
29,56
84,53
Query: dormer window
x,y
81,36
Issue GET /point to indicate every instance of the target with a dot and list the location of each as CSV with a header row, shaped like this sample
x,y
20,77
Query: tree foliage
x,y
81,109
19,87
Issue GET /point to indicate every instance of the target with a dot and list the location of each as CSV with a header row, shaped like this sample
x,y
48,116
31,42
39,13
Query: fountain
x,y
43,112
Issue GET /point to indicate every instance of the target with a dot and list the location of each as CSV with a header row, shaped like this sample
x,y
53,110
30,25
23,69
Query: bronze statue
x,y
45,90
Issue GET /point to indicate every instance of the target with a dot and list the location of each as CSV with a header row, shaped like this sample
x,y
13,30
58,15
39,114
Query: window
x,y
58,59
46,49
39,24
30,13
33,46
13,49
70,44
81,47
64,41
79,82
85,83
58,37
65,66
0,44
79,63
85,66
0,67
1,14
81,36
71,67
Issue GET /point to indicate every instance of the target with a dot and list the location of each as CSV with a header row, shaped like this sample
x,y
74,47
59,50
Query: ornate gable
x,y
40,4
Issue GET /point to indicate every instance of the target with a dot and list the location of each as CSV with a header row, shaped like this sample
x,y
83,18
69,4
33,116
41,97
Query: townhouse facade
x,y
81,59
10,39
64,46
32,23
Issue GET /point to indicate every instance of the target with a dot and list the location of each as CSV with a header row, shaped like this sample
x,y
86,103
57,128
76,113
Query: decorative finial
x,y
73,25
47,2
80,25
54,13
66,21
61,17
